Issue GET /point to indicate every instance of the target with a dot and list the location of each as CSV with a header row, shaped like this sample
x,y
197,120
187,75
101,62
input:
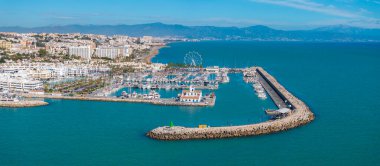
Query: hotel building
x,y
111,52
81,51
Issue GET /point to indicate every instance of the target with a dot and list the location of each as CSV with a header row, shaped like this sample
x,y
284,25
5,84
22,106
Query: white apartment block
x,y
47,71
19,84
111,52
82,51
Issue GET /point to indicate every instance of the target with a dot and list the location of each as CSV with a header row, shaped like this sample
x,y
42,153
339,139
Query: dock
x,y
162,101
300,115
275,95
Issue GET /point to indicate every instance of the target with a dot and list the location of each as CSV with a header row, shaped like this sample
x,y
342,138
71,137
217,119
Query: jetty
x,y
299,115
22,103
163,101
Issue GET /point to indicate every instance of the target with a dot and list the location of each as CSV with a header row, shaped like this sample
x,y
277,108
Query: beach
x,y
153,52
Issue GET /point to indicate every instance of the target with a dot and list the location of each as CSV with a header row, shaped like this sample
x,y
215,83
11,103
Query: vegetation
x,y
172,65
117,70
42,53
17,57
138,54
129,58
81,87
104,58
69,57
2,60
176,65
128,70
40,44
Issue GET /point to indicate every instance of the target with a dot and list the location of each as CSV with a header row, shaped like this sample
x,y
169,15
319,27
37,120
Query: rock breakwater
x,y
300,115
26,103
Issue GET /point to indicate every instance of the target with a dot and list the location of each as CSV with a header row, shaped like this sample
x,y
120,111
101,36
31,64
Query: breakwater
x,y
166,102
300,115
19,104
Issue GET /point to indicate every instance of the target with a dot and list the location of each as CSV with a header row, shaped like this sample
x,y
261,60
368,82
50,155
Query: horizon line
x,y
173,24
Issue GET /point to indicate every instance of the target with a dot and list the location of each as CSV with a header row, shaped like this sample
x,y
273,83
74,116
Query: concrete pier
x,y
300,115
271,90
166,102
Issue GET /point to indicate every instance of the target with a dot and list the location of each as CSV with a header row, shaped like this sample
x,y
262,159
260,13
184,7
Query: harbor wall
x,y
166,102
282,96
300,115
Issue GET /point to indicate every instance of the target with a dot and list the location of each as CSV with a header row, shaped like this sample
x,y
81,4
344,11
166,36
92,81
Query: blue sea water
x,y
339,81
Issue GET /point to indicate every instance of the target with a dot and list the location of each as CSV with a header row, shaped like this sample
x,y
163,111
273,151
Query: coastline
x,y
153,52
20,104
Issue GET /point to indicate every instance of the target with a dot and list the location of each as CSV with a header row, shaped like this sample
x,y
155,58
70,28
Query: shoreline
x,y
21,104
300,115
153,52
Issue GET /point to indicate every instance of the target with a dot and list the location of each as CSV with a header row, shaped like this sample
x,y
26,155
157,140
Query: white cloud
x,y
311,6
357,18
374,1
64,17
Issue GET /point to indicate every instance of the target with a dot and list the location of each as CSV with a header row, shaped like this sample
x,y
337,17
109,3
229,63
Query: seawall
x,y
19,104
166,102
300,115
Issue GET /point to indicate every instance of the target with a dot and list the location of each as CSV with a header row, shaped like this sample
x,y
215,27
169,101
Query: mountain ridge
x,y
256,32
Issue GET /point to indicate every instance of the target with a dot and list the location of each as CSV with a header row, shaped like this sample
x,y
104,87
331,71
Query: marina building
x,y
213,69
191,95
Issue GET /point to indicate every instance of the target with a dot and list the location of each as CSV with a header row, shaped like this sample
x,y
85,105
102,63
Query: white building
x,y
191,95
82,51
111,52
147,39
19,84
214,69
107,52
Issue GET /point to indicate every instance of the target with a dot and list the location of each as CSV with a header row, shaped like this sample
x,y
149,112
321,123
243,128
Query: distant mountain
x,y
259,32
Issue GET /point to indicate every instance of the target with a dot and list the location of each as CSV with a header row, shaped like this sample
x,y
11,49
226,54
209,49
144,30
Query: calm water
x,y
340,82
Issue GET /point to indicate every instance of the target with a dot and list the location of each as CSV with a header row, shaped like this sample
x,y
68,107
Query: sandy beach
x,y
153,52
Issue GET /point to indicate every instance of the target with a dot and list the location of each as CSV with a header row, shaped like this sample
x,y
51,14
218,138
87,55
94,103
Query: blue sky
x,y
282,14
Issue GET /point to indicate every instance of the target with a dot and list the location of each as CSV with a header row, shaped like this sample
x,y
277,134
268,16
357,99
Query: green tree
x,y
40,44
42,53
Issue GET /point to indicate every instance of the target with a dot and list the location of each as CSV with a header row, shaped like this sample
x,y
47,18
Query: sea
x,y
339,81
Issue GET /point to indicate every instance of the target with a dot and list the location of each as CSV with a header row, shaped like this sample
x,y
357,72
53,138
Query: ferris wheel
x,y
193,59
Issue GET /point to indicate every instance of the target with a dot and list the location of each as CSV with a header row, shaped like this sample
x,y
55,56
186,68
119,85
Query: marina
x,y
343,133
174,79
191,81
295,113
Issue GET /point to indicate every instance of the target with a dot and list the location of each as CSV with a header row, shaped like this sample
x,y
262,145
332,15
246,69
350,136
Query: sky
x,y
280,14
